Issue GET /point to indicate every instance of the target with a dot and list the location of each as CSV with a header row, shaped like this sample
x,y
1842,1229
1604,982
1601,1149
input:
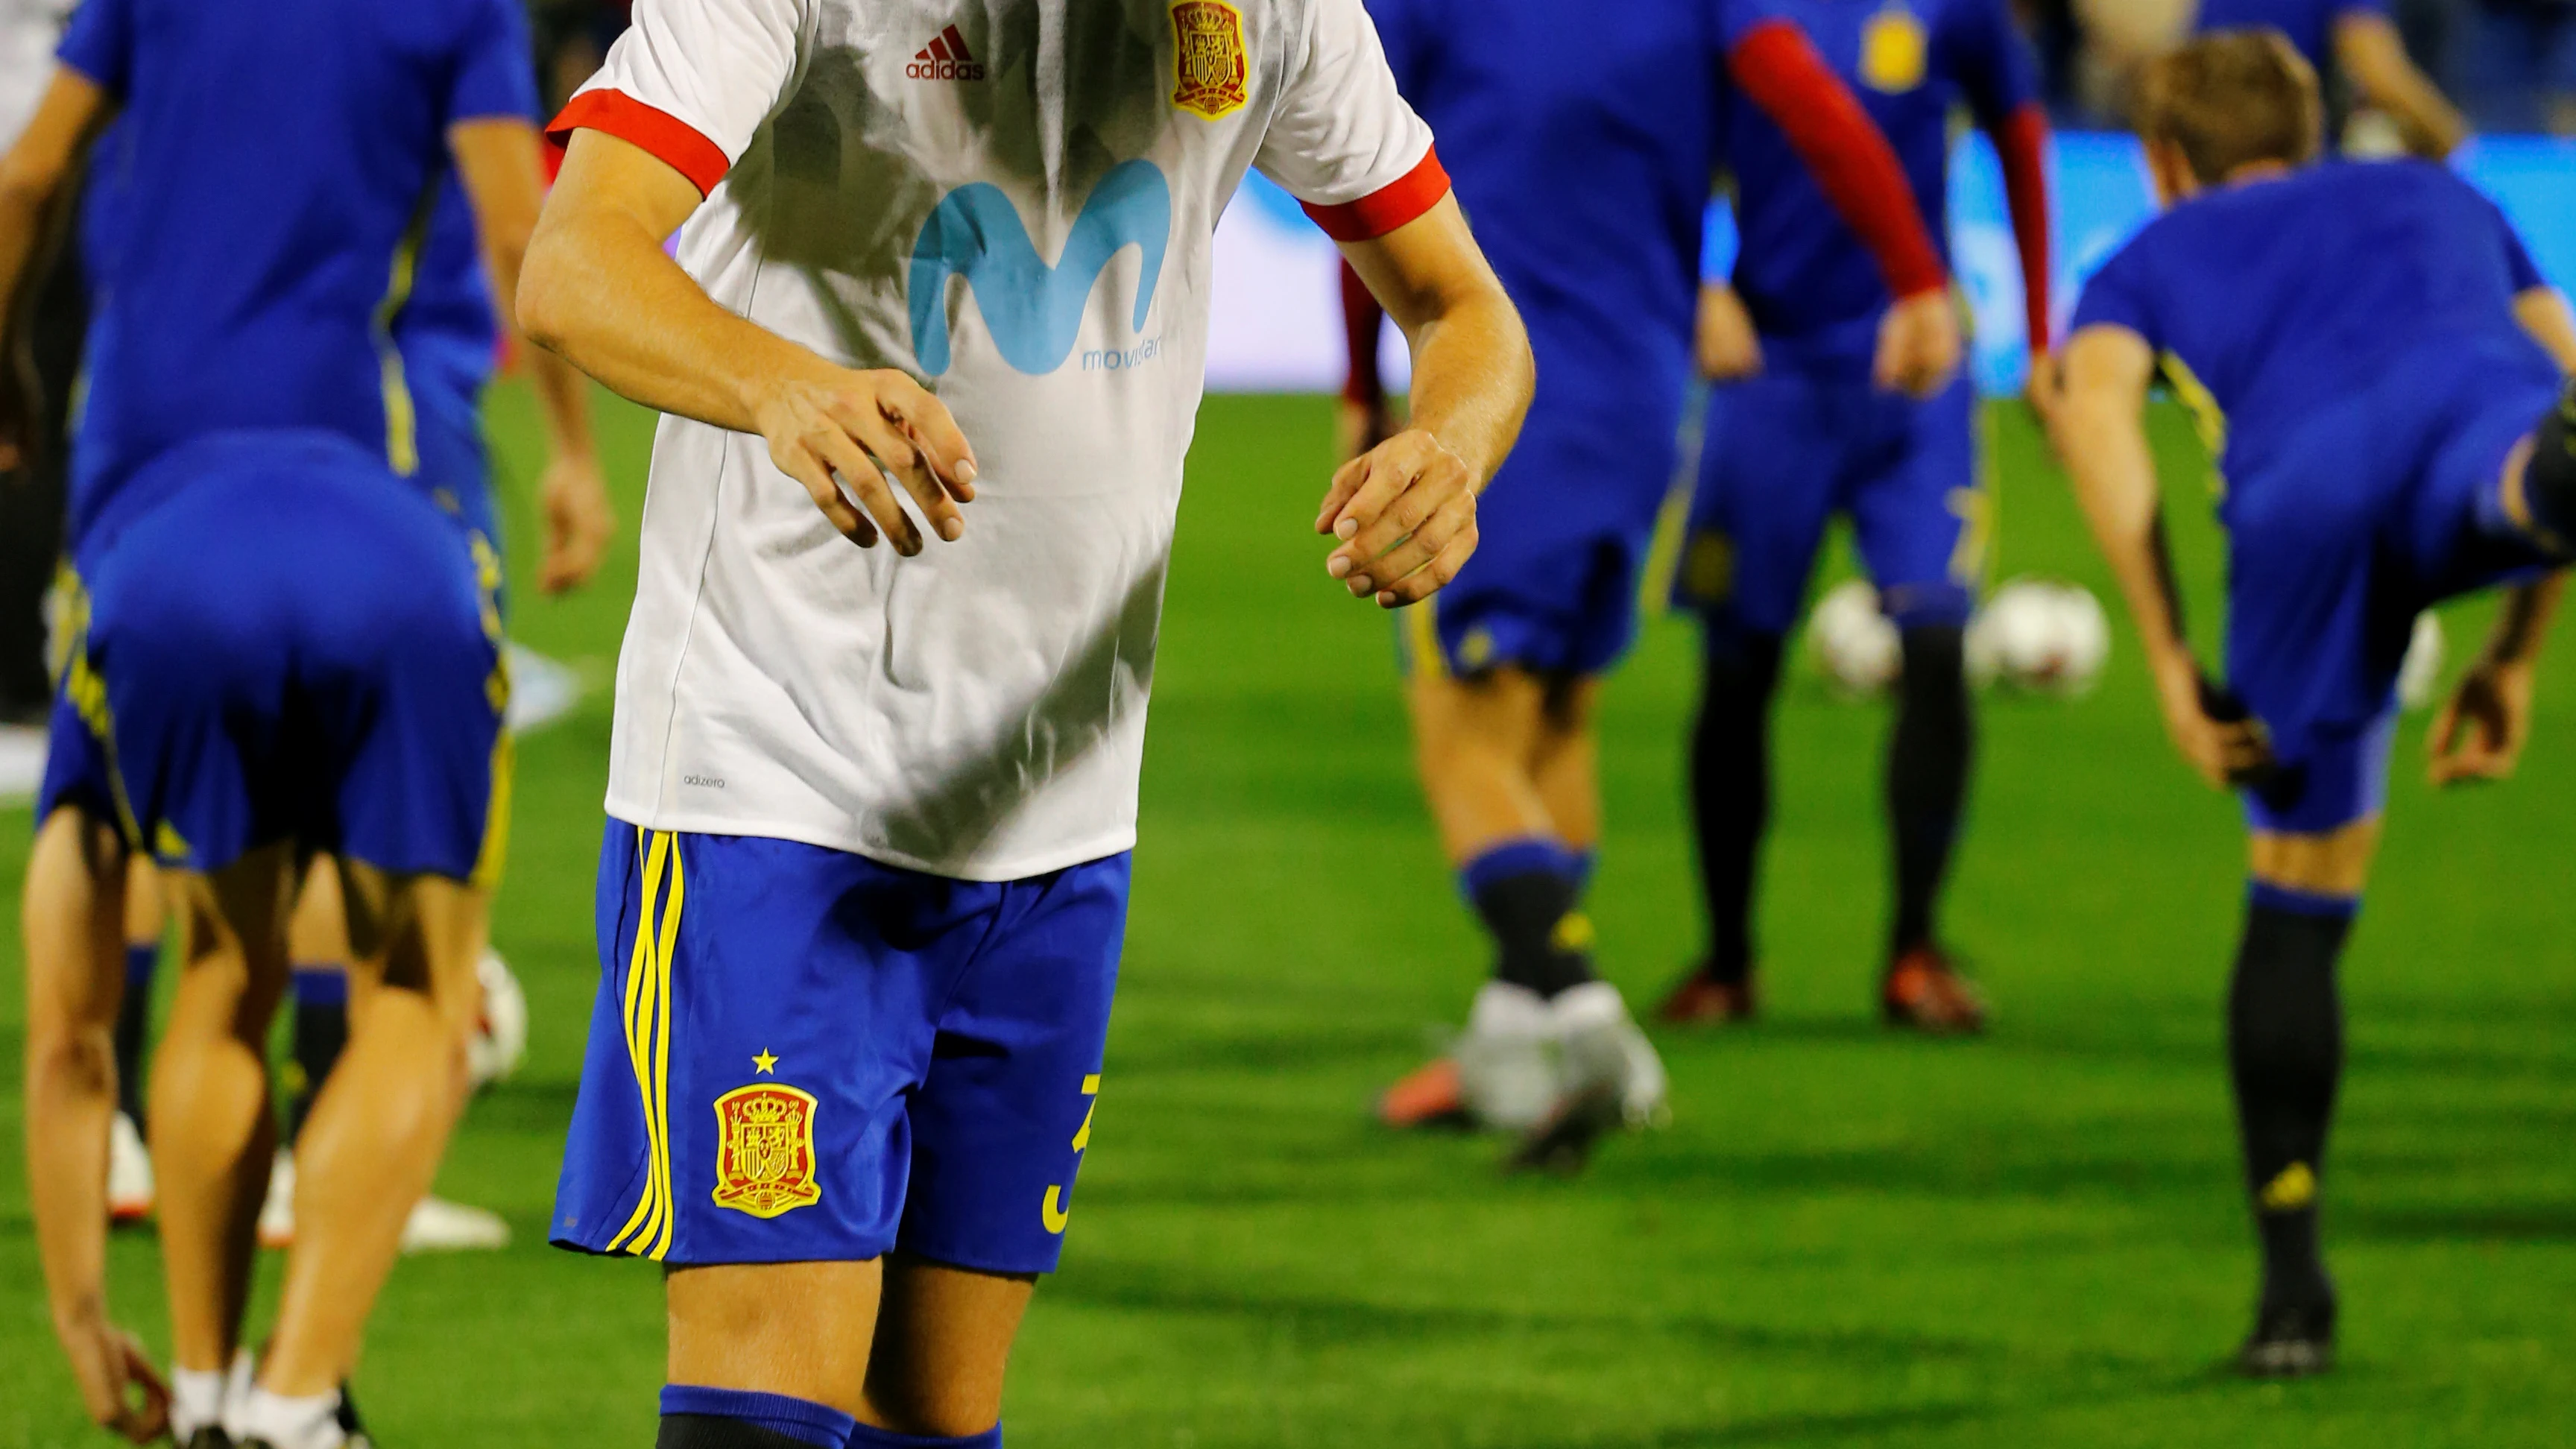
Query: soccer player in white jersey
x,y
942,286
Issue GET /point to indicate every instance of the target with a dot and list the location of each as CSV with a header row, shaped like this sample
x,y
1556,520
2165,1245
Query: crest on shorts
x,y
1207,58
1895,50
765,1150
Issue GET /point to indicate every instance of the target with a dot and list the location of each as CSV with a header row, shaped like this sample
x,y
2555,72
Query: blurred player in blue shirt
x,y
2380,371
1584,157
2359,40
1798,432
247,549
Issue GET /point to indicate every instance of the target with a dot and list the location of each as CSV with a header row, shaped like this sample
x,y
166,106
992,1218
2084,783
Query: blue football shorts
x,y
1785,452
1563,533
800,1054
2387,503
282,641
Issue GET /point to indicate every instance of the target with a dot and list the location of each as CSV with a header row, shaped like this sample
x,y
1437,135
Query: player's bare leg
x,y
212,1130
943,1342
73,918
1548,1052
382,1121
800,1332
2285,1053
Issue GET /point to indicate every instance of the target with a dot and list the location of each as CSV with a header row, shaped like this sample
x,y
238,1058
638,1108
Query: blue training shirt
x,y
1582,146
279,160
2270,300
1814,291
2309,23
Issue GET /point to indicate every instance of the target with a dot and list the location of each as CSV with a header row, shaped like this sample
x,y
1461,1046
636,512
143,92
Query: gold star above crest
x,y
766,1064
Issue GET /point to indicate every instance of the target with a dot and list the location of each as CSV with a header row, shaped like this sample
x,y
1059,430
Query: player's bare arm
x,y
2373,56
2100,432
496,159
1405,511
1729,347
31,177
2481,731
2543,313
599,290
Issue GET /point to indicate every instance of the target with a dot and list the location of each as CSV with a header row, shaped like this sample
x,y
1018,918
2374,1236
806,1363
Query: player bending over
x,y
224,190
1591,187
865,874
2360,341
1798,432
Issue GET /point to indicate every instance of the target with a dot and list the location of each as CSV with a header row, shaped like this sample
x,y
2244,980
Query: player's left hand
x,y
2481,730
580,520
1405,512
2226,748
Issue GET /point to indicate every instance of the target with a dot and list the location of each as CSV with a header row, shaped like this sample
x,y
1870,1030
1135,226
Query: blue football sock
x,y
133,1026
698,1418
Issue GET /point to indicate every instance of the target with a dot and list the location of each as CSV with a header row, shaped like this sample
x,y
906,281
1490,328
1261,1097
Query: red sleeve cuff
x,y
1390,206
670,140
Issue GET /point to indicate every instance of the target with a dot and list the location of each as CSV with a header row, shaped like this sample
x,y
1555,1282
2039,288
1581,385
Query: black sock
x,y
1731,786
1927,776
2285,1052
133,1026
321,1030
1528,892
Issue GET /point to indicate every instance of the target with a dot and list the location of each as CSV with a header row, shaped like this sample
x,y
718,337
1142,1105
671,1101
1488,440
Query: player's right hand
x,y
842,434
119,1386
1730,349
2481,730
1405,512
1918,344
2225,747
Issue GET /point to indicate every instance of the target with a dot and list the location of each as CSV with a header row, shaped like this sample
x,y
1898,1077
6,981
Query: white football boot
x,y
277,1210
1610,1078
129,1172
439,1226
1508,1075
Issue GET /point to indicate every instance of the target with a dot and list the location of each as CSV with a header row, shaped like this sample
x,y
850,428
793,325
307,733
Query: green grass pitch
x,y
1843,1238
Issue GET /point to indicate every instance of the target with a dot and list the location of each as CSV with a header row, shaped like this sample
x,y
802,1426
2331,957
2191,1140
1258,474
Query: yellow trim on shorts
x,y
647,1021
1418,627
1664,548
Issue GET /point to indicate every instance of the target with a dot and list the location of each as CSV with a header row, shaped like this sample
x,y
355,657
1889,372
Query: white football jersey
x,y
1013,201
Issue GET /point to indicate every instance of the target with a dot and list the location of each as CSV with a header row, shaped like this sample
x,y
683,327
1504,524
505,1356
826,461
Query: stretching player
x,y
1797,432
449,338
865,875
198,338
2359,340
1591,188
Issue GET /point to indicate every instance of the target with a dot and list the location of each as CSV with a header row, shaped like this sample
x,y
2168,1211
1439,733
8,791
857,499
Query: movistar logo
x,y
1034,310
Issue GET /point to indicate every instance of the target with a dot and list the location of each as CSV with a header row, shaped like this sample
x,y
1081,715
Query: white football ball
x,y
500,1040
2040,635
2419,679
1852,642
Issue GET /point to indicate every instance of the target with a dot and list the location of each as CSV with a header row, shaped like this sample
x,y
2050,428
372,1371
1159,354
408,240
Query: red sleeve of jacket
x,y
1361,323
2022,143
1781,71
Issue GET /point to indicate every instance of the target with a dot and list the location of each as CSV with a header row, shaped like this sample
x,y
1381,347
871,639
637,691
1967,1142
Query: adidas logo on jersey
x,y
945,58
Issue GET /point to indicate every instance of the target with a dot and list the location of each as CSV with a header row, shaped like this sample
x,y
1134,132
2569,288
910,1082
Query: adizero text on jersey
x,y
1035,246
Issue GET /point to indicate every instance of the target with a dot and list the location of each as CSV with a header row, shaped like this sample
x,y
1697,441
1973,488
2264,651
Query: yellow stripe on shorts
x,y
648,1043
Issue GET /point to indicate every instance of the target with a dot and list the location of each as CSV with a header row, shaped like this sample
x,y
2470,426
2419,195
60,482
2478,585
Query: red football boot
x,y
1700,999
1428,1096
1925,992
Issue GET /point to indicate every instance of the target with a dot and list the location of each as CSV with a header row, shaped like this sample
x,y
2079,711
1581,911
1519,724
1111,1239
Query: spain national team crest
x,y
765,1150
1895,50
1207,59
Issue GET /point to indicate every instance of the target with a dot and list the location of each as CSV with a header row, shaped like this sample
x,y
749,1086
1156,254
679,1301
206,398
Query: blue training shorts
x,y
1563,532
280,640
1787,451
2386,504
800,1055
